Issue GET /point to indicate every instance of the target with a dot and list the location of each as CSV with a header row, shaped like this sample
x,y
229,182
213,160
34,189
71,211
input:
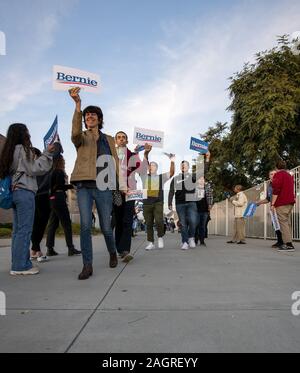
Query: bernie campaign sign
x,y
199,145
52,135
275,221
250,210
65,78
144,136
136,195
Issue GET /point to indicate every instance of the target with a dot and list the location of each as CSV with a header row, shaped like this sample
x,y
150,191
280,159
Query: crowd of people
x,y
105,175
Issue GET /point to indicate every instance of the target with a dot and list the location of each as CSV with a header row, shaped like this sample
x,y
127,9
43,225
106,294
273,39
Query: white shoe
x,y
161,244
185,246
32,271
150,246
192,243
42,259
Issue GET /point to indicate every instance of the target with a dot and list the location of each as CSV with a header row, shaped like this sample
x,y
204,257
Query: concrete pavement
x,y
223,298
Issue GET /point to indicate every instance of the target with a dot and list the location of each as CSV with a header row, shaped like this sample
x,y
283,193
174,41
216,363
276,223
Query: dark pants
x,y
201,227
41,217
123,225
279,237
59,214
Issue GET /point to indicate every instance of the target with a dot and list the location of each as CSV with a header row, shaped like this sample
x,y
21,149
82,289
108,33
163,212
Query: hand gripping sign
x,y
144,136
65,78
199,146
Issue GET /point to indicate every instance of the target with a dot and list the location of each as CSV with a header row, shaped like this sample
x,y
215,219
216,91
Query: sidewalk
x,y
222,298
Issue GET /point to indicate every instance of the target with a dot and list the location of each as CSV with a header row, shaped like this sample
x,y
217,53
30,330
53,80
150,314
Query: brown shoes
x,y
113,262
86,272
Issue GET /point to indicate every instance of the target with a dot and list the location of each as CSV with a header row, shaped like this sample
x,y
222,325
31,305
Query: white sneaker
x,y
32,271
192,243
42,259
161,244
185,246
150,246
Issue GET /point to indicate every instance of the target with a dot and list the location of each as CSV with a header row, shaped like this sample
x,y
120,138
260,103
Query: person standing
x,y
96,156
268,200
154,204
130,165
59,209
283,200
183,186
19,161
239,202
205,202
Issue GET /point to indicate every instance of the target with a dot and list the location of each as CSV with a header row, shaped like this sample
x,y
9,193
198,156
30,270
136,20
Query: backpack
x,y
6,199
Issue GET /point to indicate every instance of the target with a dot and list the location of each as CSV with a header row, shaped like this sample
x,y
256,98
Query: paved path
x,y
217,299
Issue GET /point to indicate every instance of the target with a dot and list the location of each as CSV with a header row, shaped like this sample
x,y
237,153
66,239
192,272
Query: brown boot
x,y
87,271
113,262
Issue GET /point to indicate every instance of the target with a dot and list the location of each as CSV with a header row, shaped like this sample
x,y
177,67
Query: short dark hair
x,y
156,164
281,165
124,133
94,110
188,163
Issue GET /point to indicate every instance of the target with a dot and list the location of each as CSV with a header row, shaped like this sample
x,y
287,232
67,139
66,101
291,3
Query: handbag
x,y
117,198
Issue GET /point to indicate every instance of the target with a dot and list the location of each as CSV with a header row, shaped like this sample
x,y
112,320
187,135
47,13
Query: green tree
x,y
266,112
224,172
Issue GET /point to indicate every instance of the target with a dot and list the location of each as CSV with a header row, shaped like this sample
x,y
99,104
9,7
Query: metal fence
x,y
260,225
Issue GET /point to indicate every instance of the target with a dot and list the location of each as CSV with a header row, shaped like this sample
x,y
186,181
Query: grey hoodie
x,y
24,172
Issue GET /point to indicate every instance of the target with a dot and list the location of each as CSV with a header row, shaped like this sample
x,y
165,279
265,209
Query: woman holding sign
x,y
96,157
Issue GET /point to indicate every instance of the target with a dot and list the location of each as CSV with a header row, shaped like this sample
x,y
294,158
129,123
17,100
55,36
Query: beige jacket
x,y
86,146
240,203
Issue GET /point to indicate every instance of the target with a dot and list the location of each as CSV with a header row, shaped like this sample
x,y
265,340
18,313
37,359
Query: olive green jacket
x,y
86,146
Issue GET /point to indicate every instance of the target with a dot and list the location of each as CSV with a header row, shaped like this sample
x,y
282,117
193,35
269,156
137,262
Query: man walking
x,y
154,204
183,186
130,164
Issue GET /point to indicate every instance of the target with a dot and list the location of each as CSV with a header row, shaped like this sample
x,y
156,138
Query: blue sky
x,y
163,64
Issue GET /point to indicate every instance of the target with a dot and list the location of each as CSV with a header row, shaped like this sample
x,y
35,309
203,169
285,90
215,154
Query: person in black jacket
x,y
42,208
183,186
59,209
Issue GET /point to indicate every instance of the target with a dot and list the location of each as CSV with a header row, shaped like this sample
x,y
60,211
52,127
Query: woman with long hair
x,y
59,208
18,161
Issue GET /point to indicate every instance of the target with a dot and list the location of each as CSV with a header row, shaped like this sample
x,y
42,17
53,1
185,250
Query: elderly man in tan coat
x,y
240,202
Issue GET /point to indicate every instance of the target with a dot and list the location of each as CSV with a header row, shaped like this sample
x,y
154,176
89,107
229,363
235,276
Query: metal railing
x,y
260,225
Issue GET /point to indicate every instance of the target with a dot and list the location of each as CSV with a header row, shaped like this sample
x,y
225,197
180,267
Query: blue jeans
x,y
201,227
188,217
103,200
23,210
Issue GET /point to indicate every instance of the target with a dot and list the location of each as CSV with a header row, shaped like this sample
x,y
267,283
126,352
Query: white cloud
x,y
191,95
40,35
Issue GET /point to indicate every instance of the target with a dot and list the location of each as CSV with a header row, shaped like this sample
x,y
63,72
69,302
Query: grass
x,y
6,230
